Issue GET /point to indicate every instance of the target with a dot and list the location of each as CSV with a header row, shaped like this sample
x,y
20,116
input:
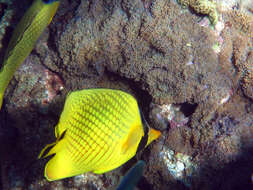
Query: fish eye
x,y
49,1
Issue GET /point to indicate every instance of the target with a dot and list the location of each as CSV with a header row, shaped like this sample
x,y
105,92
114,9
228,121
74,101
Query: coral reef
x,y
167,114
41,84
237,50
5,16
193,81
148,46
248,83
175,167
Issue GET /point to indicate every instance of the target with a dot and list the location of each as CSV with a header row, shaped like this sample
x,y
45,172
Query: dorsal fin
x,y
46,151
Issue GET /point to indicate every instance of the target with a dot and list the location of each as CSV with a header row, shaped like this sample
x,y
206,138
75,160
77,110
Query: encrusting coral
x,y
202,7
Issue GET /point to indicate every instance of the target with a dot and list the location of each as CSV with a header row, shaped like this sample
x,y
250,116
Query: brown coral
x,y
247,82
148,46
237,45
241,21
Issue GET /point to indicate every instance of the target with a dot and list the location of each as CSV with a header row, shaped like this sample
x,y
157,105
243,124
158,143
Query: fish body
x,y
24,37
98,131
132,177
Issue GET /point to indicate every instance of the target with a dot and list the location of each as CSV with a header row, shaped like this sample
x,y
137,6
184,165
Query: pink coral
x,y
53,85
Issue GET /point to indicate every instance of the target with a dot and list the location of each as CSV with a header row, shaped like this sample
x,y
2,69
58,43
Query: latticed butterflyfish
x,y
98,131
24,37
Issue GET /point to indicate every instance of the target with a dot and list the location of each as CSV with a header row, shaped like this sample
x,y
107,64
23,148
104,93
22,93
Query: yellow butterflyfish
x,y
24,37
98,131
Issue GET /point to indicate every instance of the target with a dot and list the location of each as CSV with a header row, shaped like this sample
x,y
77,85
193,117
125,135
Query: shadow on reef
x,y
144,184
20,145
8,136
232,176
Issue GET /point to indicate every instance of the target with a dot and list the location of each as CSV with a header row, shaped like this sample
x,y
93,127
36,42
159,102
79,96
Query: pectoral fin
x,y
133,139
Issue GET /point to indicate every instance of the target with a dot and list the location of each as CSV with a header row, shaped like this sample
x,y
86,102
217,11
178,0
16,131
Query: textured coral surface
x,y
192,78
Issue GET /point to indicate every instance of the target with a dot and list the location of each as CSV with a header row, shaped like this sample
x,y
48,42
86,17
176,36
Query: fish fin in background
x,y
24,37
132,177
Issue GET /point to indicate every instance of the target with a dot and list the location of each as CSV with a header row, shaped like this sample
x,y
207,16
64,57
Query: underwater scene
x,y
126,94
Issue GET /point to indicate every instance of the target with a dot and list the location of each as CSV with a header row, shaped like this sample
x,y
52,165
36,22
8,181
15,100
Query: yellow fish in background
x,y
98,131
24,37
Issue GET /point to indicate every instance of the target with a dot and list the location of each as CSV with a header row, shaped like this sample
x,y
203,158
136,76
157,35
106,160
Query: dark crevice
x,y
51,41
188,109
65,19
143,97
157,50
3,7
126,10
144,184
